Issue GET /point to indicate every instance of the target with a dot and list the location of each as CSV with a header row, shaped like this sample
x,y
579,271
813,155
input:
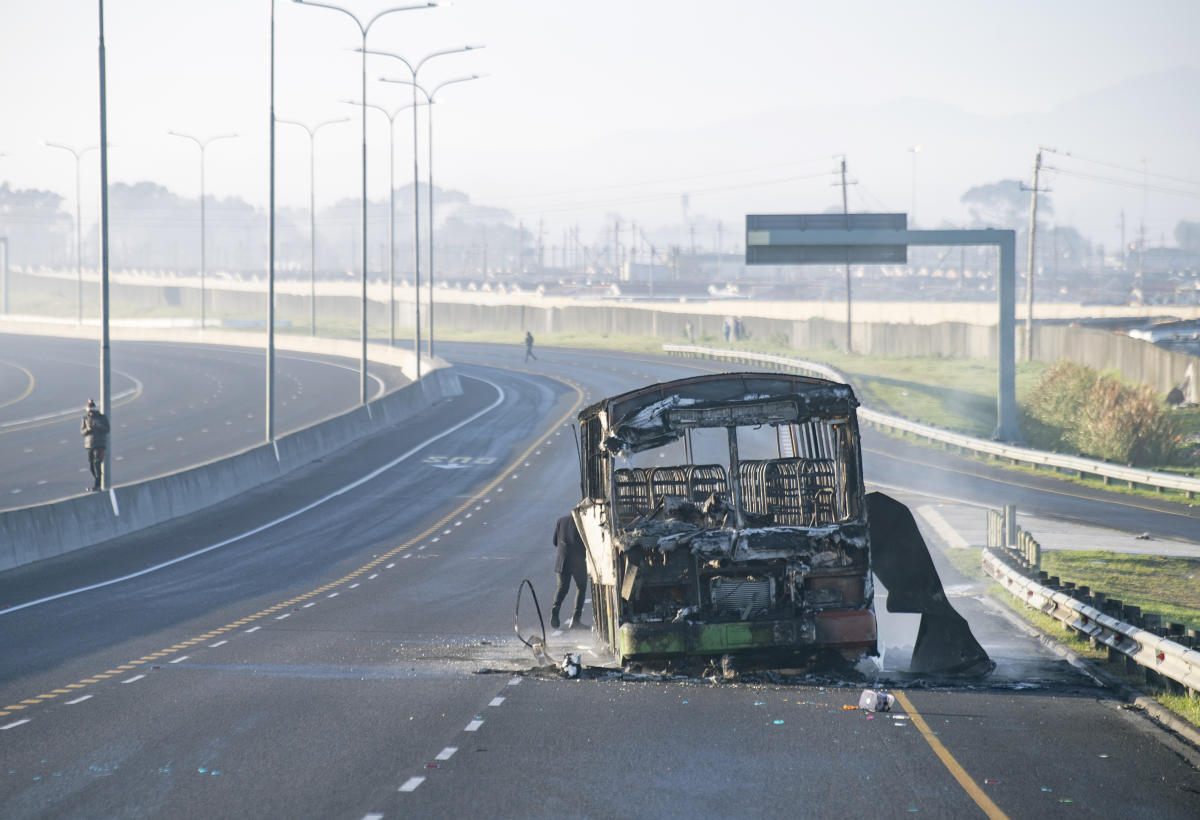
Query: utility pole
x,y
1033,203
617,248
633,231
845,213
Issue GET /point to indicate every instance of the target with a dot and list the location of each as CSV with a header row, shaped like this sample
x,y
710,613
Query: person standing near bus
x,y
570,563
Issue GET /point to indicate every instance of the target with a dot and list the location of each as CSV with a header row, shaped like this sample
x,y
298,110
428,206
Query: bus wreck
x,y
725,516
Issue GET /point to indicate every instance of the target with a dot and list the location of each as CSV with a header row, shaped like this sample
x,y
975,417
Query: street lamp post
x,y
414,70
78,154
202,145
391,118
429,100
364,29
312,214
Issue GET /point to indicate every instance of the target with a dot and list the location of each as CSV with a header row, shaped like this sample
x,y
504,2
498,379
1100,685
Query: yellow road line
x,y
28,387
955,768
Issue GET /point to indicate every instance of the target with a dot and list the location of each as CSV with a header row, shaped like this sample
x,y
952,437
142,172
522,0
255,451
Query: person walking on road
x,y
570,562
94,430
529,347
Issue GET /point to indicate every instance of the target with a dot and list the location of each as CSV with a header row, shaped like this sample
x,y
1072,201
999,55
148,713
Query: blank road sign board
x,y
778,239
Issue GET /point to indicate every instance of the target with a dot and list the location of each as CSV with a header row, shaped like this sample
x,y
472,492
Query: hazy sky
x,y
555,130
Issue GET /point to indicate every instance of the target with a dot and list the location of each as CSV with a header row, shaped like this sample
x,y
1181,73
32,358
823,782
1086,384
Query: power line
x,y
1138,171
1124,183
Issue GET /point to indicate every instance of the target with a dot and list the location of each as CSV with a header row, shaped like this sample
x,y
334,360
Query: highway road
x,y
175,406
341,644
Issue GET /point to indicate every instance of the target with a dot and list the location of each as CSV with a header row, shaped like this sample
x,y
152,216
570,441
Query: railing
x,y
1163,659
1159,481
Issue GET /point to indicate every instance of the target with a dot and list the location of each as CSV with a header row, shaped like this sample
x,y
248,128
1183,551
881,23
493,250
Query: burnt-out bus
x,y
725,515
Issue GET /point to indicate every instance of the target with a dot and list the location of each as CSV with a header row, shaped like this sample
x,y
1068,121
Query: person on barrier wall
x,y
570,562
94,430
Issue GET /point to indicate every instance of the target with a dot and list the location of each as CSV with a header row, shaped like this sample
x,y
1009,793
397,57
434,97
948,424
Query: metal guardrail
x,y
1159,656
1188,485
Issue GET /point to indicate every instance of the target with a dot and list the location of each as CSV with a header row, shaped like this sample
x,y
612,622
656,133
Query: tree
x,y
1003,204
1187,234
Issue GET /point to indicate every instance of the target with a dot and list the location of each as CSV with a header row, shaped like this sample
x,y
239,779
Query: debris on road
x,y
570,665
876,701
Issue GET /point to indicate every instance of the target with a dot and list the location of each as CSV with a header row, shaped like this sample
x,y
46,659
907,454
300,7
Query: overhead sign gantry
x,y
824,239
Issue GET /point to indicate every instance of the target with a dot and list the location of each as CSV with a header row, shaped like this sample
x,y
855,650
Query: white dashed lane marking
x,y
134,678
14,724
218,643
254,629
447,753
332,595
496,701
411,784
353,586
309,604
514,681
284,615
372,577
78,700
473,726
181,659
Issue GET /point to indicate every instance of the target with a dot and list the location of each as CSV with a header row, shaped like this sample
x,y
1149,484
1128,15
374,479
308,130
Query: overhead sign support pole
x,y
883,238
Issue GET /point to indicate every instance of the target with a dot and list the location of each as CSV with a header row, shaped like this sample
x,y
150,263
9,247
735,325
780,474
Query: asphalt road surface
x,y
341,644
174,406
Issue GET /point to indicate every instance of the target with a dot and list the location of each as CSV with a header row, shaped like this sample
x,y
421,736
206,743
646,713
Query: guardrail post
x,y
1152,622
1010,526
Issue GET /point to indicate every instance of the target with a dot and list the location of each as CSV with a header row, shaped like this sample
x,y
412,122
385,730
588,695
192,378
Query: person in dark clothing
x,y
529,347
94,430
570,562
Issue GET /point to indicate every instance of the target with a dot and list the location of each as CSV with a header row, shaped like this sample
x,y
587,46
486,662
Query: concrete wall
x,y
1134,359
951,329
35,533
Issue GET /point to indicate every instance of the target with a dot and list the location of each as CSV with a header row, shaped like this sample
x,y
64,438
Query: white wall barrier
x,y
35,533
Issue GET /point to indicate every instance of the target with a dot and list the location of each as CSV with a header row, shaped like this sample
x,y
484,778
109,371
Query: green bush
x,y
1096,414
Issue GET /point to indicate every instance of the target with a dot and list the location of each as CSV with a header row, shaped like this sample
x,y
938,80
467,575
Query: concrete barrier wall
x,y
35,533
951,329
1134,359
